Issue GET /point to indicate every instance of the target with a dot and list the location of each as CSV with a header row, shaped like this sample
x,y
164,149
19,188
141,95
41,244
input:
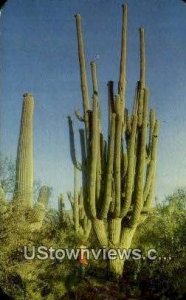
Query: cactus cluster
x,y
118,173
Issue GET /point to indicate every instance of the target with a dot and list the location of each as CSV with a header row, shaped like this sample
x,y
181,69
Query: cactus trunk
x,y
116,266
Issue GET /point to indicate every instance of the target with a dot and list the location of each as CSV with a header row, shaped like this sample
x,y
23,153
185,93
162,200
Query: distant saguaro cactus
x,y
24,163
23,192
118,174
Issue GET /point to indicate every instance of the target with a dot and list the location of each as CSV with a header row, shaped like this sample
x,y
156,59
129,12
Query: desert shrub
x,y
163,231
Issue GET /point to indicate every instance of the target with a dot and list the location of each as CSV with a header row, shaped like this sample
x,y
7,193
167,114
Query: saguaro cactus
x,y
23,192
118,174
24,163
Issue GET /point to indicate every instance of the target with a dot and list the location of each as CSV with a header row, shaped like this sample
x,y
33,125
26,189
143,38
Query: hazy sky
x,y
39,54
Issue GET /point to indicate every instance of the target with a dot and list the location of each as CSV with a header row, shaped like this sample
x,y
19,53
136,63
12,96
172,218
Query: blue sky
x,y
39,54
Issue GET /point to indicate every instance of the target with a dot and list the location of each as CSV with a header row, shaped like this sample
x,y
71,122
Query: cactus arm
x,y
130,170
151,156
78,116
104,157
140,106
109,171
76,200
84,171
128,121
141,159
72,145
94,77
81,205
98,176
136,97
117,162
95,94
110,86
83,75
102,145
142,57
142,75
93,159
95,87
83,146
150,181
122,74
152,120
125,164
141,137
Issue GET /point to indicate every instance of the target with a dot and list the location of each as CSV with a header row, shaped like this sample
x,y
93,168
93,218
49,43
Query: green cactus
x,y
24,163
118,176
83,75
23,192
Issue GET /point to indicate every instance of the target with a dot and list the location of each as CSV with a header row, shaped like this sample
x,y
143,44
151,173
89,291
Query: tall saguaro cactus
x,y
119,172
24,163
23,192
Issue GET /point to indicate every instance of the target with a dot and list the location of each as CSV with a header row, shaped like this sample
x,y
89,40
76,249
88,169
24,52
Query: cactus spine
x,y
118,176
